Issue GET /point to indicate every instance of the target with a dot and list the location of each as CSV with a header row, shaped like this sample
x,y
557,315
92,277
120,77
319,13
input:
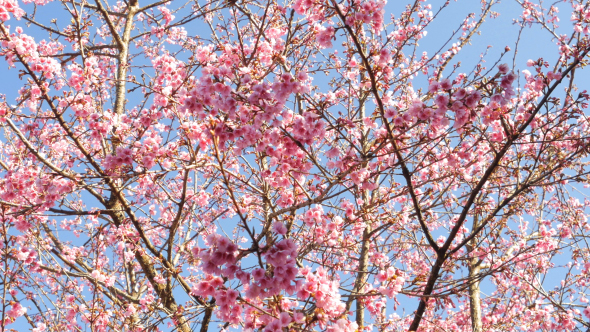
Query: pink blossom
x,y
40,327
446,84
16,310
324,36
390,113
503,68
279,228
285,319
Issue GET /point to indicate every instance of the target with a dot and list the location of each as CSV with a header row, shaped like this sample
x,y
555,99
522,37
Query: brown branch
x,y
405,171
465,40
442,254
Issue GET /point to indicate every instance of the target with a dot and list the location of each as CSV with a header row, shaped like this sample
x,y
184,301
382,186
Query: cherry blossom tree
x,y
291,166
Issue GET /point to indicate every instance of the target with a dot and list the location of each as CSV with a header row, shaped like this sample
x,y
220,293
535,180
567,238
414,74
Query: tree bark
x,y
474,298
